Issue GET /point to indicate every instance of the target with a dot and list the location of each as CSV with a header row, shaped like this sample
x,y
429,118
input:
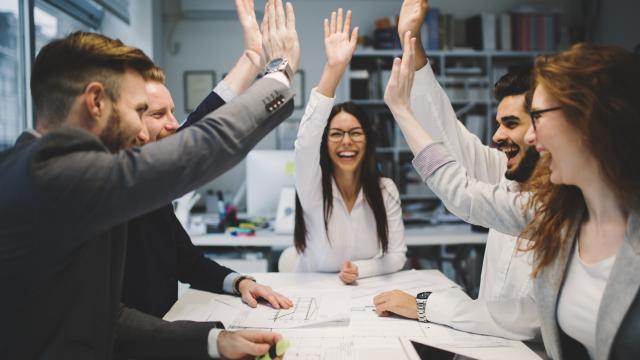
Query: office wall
x,y
215,45
618,23
139,32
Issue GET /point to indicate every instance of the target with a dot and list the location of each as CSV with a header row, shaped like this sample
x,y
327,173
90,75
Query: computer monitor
x,y
268,171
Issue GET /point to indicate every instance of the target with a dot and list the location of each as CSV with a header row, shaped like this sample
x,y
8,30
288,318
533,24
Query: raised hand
x,y
251,31
412,15
279,36
397,94
339,42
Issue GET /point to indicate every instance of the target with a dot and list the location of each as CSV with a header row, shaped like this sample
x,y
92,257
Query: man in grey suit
x,y
69,189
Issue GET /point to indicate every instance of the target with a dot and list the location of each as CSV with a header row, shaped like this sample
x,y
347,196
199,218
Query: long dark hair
x,y
369,181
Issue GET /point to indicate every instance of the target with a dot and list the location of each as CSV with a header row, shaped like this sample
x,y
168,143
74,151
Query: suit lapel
x,y
552,278
621,289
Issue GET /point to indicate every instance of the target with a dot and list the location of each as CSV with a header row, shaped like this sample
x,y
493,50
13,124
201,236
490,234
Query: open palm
x,y
339,42
250,28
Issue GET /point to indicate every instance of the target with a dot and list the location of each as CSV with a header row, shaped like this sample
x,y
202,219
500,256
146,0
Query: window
x,y
12,94
52,23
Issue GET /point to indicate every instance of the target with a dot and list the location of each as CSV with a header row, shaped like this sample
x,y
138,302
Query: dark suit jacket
x,y
64,204
160,252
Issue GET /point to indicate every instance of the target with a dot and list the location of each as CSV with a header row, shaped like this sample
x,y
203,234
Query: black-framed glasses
x,y
536,114
356,135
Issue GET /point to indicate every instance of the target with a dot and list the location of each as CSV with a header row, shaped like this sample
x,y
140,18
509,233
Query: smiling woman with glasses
x,y
348,217
537,114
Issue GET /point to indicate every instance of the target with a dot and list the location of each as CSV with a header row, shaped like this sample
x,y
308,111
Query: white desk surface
x,y
431,235
386,338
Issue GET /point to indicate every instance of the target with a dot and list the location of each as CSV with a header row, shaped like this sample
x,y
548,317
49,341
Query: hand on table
x,y
244,343
396,302
349,272
250,291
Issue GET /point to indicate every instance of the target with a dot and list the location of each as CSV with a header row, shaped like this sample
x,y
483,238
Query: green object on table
x,y
276,350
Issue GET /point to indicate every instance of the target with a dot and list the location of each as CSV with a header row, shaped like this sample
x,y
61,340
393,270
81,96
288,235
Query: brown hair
x,y
64,67
155,74
598,88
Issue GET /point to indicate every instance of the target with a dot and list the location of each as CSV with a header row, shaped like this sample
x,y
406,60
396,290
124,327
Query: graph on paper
x,y
310,308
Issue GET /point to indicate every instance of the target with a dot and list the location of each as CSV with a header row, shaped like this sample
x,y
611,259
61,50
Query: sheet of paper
x,y
311,307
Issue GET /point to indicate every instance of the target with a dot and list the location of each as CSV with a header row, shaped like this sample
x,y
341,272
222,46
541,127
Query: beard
x,y
114,137
525,168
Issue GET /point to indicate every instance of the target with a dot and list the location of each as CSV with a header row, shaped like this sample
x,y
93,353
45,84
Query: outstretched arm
x,y
434,112
340,44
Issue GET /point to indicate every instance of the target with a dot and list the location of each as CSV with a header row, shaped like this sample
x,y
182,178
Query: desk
x,y
366,336
424,236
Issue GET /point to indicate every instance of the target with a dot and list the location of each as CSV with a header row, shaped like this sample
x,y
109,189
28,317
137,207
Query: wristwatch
x,y
279,64
421,301
236,282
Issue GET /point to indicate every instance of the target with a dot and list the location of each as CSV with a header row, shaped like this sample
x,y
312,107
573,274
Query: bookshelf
x,y
467,76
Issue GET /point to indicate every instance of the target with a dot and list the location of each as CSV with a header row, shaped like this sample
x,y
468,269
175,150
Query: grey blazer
x,y
64,204
496,207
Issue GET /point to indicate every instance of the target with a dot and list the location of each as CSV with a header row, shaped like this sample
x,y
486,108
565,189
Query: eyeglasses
x,y
336,135
536,114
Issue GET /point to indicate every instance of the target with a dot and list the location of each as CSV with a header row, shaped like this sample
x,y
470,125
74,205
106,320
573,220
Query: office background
x,y
204,35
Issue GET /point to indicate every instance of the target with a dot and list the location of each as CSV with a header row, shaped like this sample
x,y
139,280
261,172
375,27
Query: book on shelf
x,y
481,31
535,30
430,31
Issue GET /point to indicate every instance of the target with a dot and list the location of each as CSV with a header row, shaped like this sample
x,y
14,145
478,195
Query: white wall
x,y
139,32
215,45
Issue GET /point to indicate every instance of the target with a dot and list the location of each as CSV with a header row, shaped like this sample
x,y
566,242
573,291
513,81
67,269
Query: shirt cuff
x,y
225,91
278,75
441,306
212,343
227,283
431,158
365,268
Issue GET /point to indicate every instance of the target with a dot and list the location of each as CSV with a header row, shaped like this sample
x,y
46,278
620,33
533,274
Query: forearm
x,y
242,75
514,319
389,263
330,79
416,136
489,205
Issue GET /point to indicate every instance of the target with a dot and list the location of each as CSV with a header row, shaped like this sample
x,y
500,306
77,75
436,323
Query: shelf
x,y
462,53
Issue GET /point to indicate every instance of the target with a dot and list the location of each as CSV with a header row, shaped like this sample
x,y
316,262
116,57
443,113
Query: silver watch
x,y
421,302
279,64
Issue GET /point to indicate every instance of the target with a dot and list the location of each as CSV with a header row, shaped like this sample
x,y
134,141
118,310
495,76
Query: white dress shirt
x,y
580,299
505,306
352,235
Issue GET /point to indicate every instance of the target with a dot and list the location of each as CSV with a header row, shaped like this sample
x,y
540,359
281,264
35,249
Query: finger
x,y
272,300
291,17
272,17
347,22
261,336
240,9
333,22
379,299
284,302
255,349
280,19
395,71
326,28
249,300
354,37
339,20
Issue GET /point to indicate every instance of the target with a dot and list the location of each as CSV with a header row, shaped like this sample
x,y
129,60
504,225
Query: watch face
x,y
275,63
423,295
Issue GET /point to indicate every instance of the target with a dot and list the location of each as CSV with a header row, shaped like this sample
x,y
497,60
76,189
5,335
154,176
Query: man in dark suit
x,y
67,195
159,250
